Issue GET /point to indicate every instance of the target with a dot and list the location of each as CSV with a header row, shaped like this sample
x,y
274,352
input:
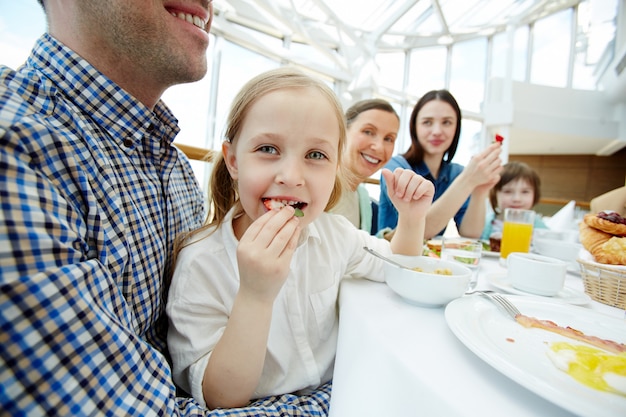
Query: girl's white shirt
x,y
303,333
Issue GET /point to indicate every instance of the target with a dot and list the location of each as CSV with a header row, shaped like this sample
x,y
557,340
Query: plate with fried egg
x,y
578,377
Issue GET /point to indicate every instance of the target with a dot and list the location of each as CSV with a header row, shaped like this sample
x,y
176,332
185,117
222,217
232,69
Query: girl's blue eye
x,y
267,149
316,155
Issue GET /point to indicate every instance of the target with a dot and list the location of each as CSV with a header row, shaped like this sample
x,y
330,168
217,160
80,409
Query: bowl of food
x,y
427,281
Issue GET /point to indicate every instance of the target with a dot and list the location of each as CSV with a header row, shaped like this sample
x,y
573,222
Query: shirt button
x,y
128,142
150,128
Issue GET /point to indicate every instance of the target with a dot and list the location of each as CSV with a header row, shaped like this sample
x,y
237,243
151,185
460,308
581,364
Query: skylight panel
x,y
419,19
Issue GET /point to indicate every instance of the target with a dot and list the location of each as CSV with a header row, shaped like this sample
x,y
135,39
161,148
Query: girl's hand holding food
x,y
265,251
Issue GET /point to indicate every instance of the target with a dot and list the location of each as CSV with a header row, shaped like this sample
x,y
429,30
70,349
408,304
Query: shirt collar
x,y
123,116
444,171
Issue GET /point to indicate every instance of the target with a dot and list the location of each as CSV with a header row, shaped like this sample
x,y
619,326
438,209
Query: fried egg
x,y
593,367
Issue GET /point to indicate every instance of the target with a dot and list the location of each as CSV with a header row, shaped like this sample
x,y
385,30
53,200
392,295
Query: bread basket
x,y
604,283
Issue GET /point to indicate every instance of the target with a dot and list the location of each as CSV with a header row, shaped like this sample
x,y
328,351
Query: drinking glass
x,y
464,251
517,231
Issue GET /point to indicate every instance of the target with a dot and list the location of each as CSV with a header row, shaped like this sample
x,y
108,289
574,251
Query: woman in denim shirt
x,y
460,192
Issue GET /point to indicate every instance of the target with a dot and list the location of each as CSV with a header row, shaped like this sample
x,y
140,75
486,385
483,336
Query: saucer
x,y
567,295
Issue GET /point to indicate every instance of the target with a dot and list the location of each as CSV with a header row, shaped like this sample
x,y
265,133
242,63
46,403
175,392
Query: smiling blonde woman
x,y
372,129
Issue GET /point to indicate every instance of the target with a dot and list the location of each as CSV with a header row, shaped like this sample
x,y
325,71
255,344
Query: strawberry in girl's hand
x,y
275,204
499,138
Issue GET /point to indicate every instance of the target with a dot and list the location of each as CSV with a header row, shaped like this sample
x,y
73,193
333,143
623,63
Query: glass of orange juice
x,y
517,231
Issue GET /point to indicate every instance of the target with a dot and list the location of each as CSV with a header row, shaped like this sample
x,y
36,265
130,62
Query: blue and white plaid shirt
x,y
92,194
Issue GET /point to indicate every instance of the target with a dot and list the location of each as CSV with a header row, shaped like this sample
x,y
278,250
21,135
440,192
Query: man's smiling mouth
x,y
189,18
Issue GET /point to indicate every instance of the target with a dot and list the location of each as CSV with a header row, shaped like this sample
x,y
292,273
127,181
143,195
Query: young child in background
x,y
519,187
253,299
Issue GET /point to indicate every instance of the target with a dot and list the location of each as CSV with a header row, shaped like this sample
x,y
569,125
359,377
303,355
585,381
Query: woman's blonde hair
x,y
223,194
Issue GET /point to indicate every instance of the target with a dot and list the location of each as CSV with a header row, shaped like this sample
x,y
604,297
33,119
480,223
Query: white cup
x,y
536,274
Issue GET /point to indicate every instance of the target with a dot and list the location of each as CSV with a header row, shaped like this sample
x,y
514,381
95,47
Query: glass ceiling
x,y
345,35
387,25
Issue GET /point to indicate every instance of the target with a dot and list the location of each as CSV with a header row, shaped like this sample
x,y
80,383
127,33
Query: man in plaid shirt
x,y
92,195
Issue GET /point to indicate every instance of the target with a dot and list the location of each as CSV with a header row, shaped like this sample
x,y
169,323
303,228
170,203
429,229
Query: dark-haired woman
x,y
460,192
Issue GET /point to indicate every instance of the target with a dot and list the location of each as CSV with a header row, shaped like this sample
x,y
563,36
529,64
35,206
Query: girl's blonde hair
x,y
223,194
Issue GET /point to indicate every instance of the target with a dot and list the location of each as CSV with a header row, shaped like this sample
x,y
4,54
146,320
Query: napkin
x,y
562,219
451,229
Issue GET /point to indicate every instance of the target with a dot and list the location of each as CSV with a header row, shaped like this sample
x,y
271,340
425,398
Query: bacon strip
x,y
609,345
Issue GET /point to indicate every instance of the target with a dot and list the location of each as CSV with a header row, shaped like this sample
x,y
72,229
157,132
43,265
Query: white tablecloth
x,y
398,359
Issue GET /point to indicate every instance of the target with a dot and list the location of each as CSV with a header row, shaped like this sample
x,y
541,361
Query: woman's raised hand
x,y
483,170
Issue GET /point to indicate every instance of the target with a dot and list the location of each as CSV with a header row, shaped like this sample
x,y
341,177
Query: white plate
x,y
567,295
520,353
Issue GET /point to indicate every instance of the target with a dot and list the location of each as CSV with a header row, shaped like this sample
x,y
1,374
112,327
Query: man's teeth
x,y
194,20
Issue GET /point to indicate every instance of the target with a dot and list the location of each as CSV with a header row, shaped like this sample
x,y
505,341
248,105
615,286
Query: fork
x,y
502,302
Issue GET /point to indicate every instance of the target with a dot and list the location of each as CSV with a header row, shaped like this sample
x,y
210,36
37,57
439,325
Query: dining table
x,y
395,358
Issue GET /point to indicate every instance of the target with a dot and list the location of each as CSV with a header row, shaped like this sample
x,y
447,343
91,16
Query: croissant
x,y
613,251
606,247
592,239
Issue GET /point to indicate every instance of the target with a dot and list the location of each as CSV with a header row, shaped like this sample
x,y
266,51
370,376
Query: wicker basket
x,y
604,283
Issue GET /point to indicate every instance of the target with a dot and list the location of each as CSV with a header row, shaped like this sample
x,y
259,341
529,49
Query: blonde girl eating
x,y
252,304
